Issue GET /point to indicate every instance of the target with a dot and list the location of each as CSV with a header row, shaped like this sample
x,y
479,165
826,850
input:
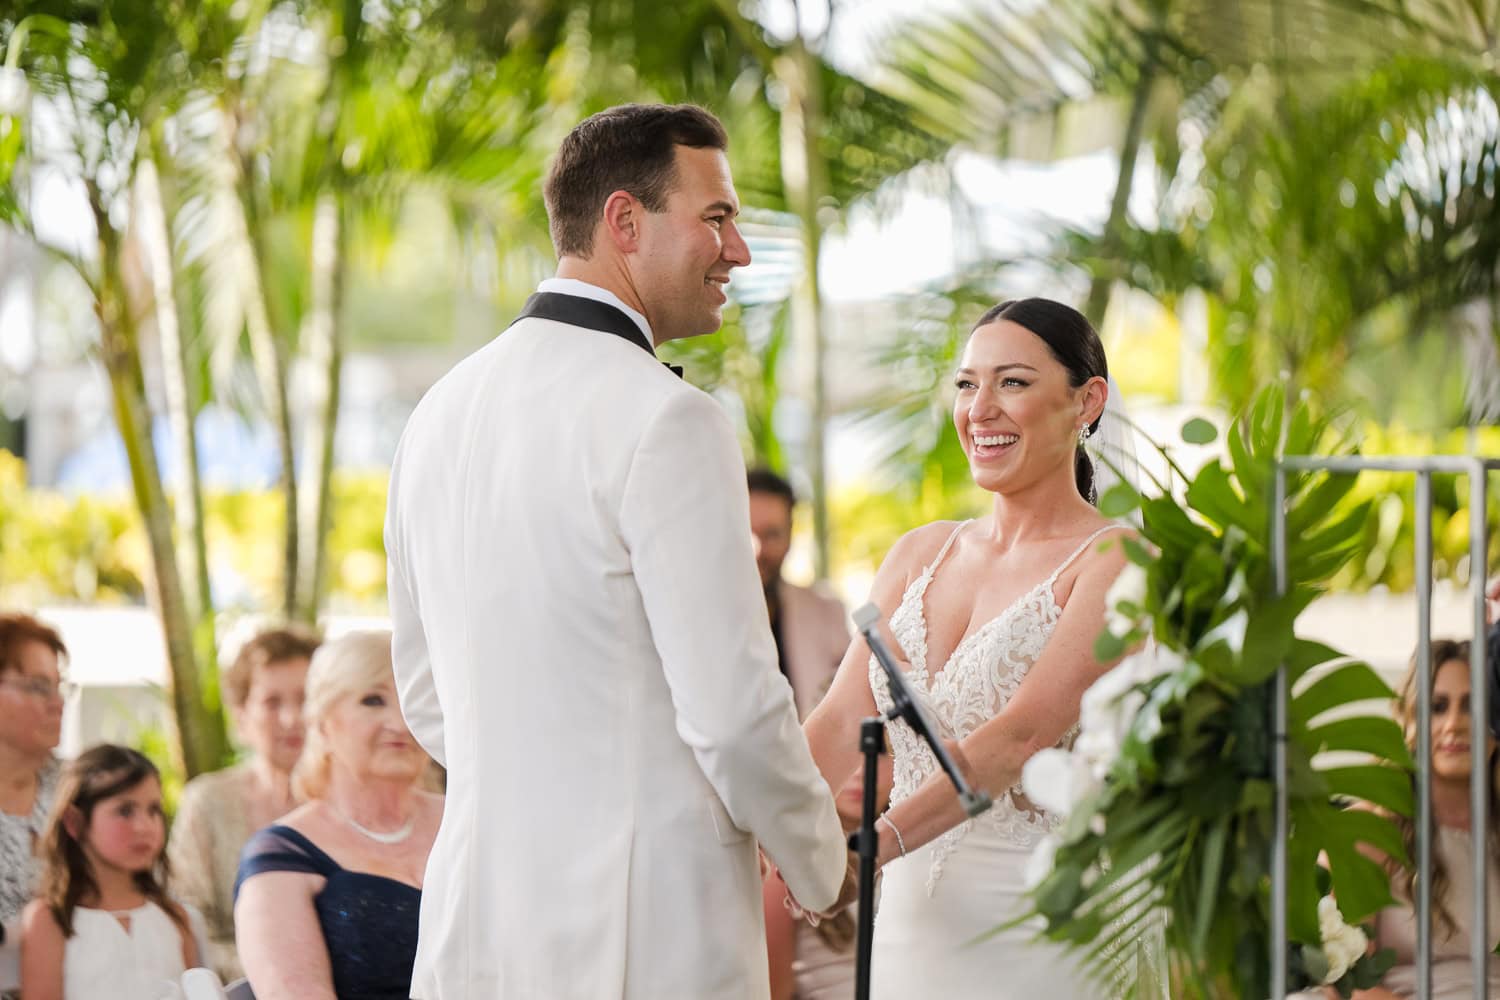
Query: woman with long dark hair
x,y
997,617
1455,738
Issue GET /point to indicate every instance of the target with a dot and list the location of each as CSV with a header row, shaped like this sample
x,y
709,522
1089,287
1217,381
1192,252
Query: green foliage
x,y
156,743
1326,169
56,548
1327,270
1386,547
1183,821
741,364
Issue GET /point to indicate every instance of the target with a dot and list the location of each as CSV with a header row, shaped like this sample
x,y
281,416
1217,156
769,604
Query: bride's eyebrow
x,y
997,369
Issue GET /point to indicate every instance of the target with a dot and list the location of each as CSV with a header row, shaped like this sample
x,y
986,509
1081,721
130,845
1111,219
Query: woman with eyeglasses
x,y
31,705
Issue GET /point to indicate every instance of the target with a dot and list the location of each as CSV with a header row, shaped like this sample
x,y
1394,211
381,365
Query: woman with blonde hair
x,y
327,898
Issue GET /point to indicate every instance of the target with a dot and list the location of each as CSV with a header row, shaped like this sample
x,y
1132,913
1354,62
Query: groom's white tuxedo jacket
x,y
581,640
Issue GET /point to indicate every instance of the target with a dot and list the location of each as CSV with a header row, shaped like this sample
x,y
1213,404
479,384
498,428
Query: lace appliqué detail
x,y
981,676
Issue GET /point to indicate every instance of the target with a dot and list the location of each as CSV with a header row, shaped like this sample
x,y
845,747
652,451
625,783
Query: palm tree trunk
x,y
188,492
1140,100
322,342
201,735
265,352
804,177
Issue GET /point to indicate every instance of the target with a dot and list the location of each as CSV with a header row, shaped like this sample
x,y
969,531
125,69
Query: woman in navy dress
x,y
327,899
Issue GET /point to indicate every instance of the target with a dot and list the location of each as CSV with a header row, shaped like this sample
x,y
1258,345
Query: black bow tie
x,y
590,314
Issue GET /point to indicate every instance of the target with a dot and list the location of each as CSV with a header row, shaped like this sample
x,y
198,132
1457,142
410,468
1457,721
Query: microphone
x,y
905,706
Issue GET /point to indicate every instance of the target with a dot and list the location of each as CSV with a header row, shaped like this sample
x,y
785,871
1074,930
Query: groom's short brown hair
x,y
630,148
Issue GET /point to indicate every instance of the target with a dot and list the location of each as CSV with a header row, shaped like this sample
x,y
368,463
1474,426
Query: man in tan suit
x,y
811,628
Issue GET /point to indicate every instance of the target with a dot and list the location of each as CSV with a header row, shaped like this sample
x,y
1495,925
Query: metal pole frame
x,y
1477,470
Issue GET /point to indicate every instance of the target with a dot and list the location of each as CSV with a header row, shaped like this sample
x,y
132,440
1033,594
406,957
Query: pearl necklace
x,y
393,837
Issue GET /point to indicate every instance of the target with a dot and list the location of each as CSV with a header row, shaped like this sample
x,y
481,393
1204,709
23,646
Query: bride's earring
x,y
1083,433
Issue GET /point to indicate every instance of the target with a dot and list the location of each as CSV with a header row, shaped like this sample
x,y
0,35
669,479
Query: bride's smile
x,y
1015,411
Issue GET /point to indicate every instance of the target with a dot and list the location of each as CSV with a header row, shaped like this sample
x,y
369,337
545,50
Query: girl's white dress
x,y
104,959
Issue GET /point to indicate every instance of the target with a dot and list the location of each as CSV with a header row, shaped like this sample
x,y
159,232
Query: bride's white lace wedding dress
x,y
935,902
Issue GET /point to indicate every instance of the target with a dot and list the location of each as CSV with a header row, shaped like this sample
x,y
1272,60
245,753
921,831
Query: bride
x,y
997,619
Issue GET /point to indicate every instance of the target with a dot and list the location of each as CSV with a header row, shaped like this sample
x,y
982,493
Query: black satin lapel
x,y
590,314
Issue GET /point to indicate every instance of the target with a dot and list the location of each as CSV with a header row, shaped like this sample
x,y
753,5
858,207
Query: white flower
x,y
1129,587
15,92
1152,662
1343,945
1098,707
1105,715
1039,864
1057,780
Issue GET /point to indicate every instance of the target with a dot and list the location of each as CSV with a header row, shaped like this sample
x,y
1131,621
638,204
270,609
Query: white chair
x,y
202,984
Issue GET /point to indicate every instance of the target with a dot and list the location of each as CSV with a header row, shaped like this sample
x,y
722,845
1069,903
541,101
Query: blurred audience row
x,y
300,867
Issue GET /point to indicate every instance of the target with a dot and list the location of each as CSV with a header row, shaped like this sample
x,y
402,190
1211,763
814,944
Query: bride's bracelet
x,y
900,843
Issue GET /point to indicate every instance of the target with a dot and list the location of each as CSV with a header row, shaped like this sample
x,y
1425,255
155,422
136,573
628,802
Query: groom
x,y
580,636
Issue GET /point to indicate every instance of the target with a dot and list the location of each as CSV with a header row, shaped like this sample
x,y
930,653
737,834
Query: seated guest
x,y
103,924
218,811
1456,732
327,898
31,705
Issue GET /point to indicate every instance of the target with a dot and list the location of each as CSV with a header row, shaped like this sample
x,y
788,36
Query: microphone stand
x,y
872,745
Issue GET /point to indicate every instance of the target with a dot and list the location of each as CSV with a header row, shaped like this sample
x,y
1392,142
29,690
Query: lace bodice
x,y
980,677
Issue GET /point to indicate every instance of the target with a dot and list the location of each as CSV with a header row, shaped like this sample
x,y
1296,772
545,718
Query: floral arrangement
x,y
1168,793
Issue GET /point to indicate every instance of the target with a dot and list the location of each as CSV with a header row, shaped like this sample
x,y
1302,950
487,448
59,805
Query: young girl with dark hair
x,y
103,924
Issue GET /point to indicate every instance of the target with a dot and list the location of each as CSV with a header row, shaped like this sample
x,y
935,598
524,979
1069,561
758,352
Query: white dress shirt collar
x,y
584,290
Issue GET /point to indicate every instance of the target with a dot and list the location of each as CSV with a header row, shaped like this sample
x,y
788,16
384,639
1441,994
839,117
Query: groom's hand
x,y
849,891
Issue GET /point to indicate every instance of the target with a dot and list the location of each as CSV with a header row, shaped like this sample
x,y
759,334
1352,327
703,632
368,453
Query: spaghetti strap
x,y
1080,551
932,566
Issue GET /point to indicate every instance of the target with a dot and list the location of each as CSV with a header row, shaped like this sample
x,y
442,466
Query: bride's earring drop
x,y
1083,433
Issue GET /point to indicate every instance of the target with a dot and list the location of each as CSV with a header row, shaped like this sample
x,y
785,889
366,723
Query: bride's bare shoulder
x,y
919,547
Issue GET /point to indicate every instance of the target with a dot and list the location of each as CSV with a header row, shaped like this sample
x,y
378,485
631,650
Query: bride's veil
x,y
1140,971
1112,447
